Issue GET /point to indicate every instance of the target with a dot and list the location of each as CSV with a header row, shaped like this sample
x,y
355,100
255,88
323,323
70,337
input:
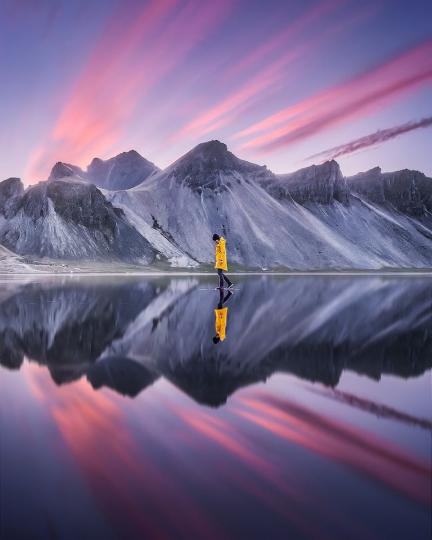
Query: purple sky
x,y
278,81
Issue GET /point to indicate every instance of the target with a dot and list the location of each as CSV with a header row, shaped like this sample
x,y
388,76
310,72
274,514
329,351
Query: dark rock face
x,y
81,204
210,165
124,171
69,220
321,184
408,191
63,170
10,190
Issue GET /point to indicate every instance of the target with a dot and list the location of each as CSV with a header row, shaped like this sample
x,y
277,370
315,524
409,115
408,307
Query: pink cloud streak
x,y
282,38
216,116
362,94
372,139
271,73
123,67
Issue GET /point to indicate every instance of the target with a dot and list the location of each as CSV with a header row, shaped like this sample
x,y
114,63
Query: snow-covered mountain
x,y
64,220
127,334
408,192
123,171
210,190
373,233
321,184
61,171
310,219
307,220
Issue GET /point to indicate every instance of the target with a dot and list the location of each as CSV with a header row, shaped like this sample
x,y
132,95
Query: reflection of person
x,y
221,316
221,263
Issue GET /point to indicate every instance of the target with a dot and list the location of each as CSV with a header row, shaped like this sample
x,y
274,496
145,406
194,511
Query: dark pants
x,y
223,277
223,299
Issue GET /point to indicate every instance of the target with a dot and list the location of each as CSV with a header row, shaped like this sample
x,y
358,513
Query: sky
x,y
283,83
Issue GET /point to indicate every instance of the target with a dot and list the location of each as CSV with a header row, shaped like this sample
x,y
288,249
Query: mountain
x,y
10,192
312,219
321,184
123,171
201,193
63,220
61,170
371,233
128,333
210,190
408,192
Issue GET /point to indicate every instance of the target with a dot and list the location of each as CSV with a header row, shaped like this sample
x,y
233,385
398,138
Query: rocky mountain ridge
x,y
124,171
65,220
311,219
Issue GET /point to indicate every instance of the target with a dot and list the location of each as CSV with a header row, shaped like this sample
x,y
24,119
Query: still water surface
x,y
310,418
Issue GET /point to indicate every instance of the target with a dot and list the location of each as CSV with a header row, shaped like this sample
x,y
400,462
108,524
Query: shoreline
x,y
405,273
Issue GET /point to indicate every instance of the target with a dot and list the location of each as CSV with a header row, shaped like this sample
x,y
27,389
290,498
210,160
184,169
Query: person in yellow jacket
x,y
221,263
221,317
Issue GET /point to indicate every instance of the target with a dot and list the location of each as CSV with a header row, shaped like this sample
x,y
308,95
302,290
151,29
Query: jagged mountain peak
x,y
373,174
11,186
211,165
127,156
64,170
123,171
10,190
211,156
213,149
407,190
321,184
324,170
374,170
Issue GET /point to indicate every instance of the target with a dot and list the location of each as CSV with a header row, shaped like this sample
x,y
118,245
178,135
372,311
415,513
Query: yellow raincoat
x,y
221,256
221,316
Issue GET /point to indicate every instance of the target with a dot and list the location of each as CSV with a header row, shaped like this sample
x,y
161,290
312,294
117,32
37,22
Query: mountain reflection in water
x,y
127,334
249,463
